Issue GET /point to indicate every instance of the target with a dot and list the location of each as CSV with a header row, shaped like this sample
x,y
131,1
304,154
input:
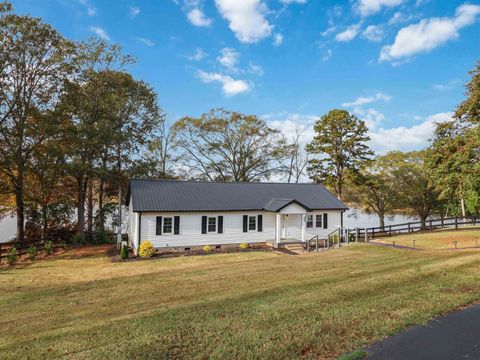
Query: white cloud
x,y
349,34
287,2
406,138
447,86
370,7
229,58
230,86
399,18
198,18
277,40
428,34
373,33
146,41
255,69
372,117
363,100
134,11
91,11
198,55
101,33
246,19
329,30
327,55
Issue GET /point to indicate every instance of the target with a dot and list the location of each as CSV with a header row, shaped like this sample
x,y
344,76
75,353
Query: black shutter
x,y
260,223
176,225
204,224
220,225
245,223
159,225
325,221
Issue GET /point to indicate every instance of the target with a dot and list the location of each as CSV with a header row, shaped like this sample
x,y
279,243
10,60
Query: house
x,y
188,214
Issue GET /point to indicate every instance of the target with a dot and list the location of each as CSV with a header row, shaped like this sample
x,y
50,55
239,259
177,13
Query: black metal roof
x,y
176,196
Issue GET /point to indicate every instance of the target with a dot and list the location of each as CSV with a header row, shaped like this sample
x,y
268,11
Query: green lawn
x,y
437,240
244,305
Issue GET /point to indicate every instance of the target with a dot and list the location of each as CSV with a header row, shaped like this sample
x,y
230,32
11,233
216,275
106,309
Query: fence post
x,y
348,236
357,234
0,253
373,233
366,235
431,226
408,227
316,243
442,223
456,222
339,237
390,230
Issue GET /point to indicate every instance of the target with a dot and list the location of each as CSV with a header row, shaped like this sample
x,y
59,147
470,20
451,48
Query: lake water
x,y
351,219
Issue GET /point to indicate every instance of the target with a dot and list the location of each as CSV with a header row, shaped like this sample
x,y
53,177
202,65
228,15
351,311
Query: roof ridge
x,y
225,182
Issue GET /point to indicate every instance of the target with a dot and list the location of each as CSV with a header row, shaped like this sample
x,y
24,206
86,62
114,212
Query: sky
x,y
399,65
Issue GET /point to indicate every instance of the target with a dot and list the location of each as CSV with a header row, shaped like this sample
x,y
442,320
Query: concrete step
x,y
295,248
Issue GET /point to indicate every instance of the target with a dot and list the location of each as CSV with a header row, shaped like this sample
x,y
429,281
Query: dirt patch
x,y
172,254
84,251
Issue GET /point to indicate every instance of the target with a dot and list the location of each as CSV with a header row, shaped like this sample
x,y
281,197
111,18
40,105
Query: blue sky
x,y
400,65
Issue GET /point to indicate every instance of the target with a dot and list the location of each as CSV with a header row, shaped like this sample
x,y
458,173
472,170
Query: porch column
x,y
277,229
304,222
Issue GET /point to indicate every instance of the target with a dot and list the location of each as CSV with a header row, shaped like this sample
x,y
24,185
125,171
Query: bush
x,y
76,239
101,237
207,248
32,253
48,248
12,255
146,249
124,252
244,246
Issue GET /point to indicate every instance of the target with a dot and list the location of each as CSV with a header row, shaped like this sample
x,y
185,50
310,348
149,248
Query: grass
x,y
437,239
79,305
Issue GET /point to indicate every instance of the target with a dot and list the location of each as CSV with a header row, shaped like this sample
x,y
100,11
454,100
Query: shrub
x,y
146,249
244,246
32,253
207,248
124,252
48,248
12,255
101,237
76,239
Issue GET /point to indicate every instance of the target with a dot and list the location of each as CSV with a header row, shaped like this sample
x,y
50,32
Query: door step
x,y
295,248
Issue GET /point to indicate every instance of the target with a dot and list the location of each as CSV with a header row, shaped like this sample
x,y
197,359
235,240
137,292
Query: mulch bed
x,y
173,254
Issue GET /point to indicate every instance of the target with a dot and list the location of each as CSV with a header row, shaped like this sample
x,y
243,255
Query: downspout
x,y
139,230
341,218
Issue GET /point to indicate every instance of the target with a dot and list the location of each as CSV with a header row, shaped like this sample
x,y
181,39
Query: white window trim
x,y
163,225
208,224
256,223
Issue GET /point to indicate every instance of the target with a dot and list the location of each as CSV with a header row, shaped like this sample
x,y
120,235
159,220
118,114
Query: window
x,y
318,221
252,223
167,225
212,224
309,221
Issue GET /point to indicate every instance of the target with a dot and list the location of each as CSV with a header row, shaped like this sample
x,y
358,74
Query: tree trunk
x,y
81,208
90,209
19,205
381,217
423,222
44,222
101,217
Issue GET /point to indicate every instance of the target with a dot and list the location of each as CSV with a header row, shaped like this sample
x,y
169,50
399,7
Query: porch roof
x,y
276,205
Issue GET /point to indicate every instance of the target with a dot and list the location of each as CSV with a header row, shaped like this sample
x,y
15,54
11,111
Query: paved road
x,y
455,336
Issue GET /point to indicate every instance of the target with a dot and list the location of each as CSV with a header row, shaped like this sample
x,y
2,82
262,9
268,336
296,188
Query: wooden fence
x,y
456,223
22,247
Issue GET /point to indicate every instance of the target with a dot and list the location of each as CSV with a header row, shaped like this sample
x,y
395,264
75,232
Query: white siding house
x,y
186,214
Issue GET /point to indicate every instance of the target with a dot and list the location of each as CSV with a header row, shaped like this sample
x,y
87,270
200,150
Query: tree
x,y
415,184
454,156
376,189
298,159
89,103
33,67
341,149
229,146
